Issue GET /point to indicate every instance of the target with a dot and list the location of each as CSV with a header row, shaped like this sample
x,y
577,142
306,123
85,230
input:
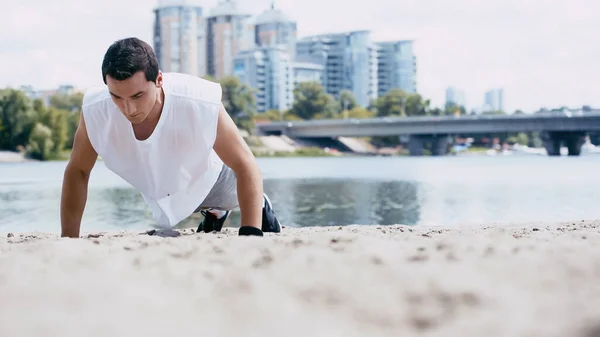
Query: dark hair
x,y
128,56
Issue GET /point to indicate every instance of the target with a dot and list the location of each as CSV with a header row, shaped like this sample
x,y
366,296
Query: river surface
x,y
443,191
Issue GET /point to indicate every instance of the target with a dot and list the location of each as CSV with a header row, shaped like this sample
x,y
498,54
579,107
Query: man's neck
x,y
156,111
145,129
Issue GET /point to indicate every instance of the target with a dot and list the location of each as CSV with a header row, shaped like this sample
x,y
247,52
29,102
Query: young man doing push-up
x,y
169,136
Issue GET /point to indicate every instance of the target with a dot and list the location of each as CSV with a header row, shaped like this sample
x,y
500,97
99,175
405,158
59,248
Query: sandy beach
x,y
533,280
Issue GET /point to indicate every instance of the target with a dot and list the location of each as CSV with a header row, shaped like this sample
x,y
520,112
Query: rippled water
x,y
445,191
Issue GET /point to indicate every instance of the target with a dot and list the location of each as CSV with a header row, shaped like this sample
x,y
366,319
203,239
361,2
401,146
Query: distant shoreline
x,y
13,157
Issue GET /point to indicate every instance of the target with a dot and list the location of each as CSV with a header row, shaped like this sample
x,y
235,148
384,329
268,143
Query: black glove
x,y
250,231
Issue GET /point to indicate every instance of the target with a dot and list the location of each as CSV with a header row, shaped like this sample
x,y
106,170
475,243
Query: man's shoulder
x,y
192,87
95,95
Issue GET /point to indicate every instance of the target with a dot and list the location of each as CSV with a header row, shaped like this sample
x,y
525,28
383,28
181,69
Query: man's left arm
x,y
235,153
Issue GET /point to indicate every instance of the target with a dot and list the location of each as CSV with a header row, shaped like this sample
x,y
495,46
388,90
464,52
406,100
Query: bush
x,y
40,143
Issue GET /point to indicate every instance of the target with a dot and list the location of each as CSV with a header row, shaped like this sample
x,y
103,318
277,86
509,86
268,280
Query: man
x,y
170,137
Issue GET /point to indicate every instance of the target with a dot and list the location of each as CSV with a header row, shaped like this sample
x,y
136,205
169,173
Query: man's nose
x,y
130,108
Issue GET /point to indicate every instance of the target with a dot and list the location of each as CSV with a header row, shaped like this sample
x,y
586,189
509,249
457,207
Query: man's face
x,y
134,96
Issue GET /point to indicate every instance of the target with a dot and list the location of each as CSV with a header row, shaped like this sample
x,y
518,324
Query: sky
x,y
543,53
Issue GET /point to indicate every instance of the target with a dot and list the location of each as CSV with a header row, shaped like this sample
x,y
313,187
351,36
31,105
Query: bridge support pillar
x,y
438,144
572,140
416,145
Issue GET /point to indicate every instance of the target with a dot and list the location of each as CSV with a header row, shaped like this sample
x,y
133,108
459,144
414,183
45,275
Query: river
x,y
444,191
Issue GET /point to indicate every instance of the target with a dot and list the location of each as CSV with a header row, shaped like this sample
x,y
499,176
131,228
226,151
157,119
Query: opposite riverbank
x,y
530,280
12,157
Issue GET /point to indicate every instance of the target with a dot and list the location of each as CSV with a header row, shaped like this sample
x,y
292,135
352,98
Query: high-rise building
x,y
180,37
349,61
229,32
494,100
397,67
274,28
456,96
307,72
268,70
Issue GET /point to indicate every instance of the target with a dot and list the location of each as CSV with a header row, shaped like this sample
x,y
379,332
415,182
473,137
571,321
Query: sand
x,y
535,280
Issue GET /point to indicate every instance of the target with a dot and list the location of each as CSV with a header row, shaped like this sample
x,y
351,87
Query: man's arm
x,y
75,182
235,153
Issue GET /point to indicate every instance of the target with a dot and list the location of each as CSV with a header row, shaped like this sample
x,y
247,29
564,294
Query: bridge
x,y
556,129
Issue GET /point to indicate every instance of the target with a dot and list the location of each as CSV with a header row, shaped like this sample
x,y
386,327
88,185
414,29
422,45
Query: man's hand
x,y
235,153
75,182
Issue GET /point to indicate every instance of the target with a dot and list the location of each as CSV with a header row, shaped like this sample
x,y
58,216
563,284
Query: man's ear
x,y
159,79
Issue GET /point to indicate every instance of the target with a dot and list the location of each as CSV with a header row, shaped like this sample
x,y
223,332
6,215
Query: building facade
x,y
494,100
268,70
456,96
229,31
349,61
274,28
307,72
180,37
397,67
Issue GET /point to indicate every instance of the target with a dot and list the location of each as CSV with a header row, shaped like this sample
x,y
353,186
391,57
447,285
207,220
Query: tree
x,y
493,112
520,138
272,115
393,103
360,112
452,108
67,102
17,119
71,105
72,124
40,142
310,100
437,112
57,121
239,101
416,105
398,103
347,100
210,78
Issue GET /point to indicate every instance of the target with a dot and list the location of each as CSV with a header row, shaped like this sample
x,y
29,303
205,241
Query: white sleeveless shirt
x,y
176,167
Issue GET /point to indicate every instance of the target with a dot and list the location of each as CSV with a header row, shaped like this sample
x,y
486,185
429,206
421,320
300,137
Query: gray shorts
x,y
223,195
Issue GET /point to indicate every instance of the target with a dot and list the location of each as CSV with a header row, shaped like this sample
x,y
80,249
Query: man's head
x,y
130,70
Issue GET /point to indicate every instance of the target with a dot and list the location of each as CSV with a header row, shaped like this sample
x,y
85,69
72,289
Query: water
x,y
445,191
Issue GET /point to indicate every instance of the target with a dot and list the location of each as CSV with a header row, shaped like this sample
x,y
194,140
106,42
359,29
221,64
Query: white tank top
x,y
176,167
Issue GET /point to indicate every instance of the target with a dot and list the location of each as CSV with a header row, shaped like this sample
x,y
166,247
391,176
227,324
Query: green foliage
x,y
398,103
357,112
17,119
239,102
40,143
70,103
493,112
272,115
71,107
276,115
301,152
453,109
391,104
416,105
347,100
311,100
44,132
57,121
522,139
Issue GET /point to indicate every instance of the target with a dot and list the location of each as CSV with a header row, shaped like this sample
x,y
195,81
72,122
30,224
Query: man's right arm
x,y
75,182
